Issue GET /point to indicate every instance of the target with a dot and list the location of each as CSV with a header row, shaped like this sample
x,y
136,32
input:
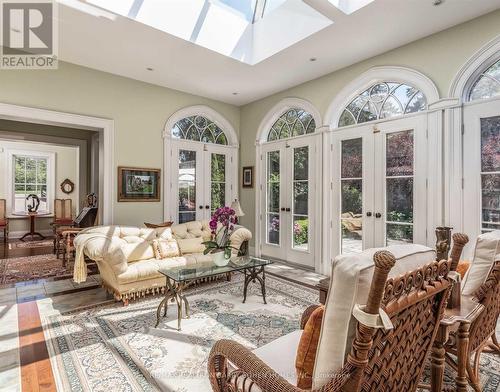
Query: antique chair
x,y
383,357
482,281
65,234
4,222
62,215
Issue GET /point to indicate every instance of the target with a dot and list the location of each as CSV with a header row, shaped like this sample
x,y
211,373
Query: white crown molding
x,y
480,60
207,112
281,107
376,75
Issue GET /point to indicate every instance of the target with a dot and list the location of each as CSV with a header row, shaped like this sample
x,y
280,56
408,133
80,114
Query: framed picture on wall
x,y
138,184
247,177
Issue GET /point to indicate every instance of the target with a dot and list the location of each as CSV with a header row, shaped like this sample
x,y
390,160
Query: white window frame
x,y
51,174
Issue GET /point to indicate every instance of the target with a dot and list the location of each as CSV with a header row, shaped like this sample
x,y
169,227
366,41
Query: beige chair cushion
x,y
191,245
349,285
280,355
165,248
486,252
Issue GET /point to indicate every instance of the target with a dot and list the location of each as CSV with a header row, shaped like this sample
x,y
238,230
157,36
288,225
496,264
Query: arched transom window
x,y
487,85
294,122
383,100
199,129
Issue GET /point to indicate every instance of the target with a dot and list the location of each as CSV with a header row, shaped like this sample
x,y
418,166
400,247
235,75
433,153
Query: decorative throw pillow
x,y
463,267
165,248
191,245
306,352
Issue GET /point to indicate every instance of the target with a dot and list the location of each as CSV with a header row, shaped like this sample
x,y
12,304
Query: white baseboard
x,y
19,234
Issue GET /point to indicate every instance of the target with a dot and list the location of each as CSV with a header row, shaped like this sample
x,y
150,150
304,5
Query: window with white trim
x,y
294,122
383,100
30,178
487,84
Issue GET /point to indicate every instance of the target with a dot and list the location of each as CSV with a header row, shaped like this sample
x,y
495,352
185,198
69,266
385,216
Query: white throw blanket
x,y
81,241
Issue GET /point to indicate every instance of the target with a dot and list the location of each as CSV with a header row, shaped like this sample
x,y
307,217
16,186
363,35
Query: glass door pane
x,y
273,198
351,199
399,173
300,205
217,181
187,185
490,174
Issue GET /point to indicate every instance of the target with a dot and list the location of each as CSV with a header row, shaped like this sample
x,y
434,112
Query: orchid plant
x,y
221,225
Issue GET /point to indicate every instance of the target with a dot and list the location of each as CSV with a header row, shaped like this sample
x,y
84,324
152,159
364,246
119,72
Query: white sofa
x,y
126,259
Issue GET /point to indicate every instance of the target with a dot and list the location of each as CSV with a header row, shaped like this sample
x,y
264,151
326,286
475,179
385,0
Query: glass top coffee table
x,y
179,278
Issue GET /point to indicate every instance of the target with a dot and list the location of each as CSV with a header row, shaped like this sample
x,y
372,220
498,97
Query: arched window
x,y
383,100
487,84
294,122
199,129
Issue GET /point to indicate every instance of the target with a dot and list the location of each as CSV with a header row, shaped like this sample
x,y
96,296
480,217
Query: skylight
x,y
246,30
350,6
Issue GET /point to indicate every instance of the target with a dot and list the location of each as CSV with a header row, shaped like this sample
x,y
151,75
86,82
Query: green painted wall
x,y
439,56
139,110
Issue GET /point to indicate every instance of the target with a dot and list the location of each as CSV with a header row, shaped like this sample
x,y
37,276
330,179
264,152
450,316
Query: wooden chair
x,y
379,360
64,235
62,216
4,221
482,330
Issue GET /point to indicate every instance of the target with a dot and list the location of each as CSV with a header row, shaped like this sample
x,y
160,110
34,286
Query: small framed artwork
x,y
138,184
247,177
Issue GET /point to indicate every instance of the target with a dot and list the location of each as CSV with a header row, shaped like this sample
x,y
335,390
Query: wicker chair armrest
x,y
249,371
307,313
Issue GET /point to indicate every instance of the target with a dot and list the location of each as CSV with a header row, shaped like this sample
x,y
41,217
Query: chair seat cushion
x,y
280,355
308,345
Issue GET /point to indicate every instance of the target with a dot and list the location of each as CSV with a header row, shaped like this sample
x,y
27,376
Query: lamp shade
x,y
235,205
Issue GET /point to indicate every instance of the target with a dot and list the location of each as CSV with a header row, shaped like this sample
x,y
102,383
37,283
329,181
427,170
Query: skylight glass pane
x,y
244,8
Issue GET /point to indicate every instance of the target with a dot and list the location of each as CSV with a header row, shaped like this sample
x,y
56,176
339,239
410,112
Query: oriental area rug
x,y
117,348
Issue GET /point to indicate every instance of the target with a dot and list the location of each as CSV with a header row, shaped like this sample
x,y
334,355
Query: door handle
x,y
207,207
369,213
287,209
378,215
282,208
200,207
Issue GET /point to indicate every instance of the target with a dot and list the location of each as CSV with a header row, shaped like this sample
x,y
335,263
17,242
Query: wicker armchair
x,y
380,360
482,330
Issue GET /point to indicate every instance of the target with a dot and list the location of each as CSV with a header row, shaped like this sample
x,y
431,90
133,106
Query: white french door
x,y
379,185
202,179
289,206
481,152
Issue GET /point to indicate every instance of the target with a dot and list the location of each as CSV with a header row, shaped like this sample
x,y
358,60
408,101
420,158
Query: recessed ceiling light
x,y
149,68
438,2
235,93
313,59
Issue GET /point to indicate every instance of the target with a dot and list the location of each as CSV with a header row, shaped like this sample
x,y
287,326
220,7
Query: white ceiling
x,y
108,42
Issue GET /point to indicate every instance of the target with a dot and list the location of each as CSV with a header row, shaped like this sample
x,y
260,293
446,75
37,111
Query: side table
x,y
456,320
32,216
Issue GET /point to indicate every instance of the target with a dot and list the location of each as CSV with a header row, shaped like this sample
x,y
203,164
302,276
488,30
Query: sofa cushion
x,y
191,245
308,345
165,248
486,252
148,269
164,233
280,354
349,285
192,229
134,251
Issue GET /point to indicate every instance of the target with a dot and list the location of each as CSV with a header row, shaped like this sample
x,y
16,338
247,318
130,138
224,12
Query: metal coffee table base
x,y
175,290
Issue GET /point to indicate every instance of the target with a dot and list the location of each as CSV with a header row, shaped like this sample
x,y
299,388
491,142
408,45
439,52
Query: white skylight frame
x,y
254,36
